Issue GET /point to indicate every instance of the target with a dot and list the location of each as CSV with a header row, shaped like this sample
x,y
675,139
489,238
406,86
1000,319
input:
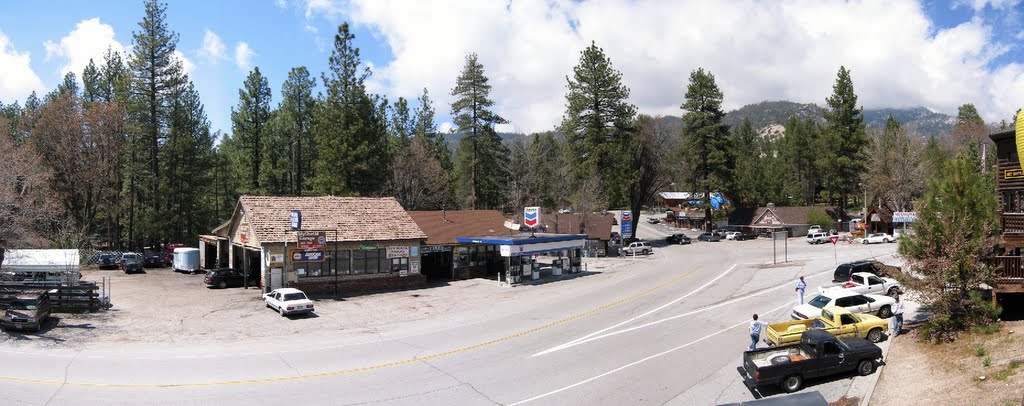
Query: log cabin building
x,y
1009,277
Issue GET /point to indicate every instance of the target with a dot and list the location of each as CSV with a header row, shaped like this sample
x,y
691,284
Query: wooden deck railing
x,y
1013,223
1009,268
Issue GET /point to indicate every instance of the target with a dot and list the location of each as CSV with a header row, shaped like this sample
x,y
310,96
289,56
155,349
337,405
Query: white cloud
x,y
243,55
89,40
281,4
186,65
979,5
784,50
17,79
213,47
445,127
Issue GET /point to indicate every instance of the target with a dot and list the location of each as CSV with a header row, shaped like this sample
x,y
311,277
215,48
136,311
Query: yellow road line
x,y
355,370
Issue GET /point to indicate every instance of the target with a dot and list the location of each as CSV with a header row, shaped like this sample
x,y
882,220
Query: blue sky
x,y
901,53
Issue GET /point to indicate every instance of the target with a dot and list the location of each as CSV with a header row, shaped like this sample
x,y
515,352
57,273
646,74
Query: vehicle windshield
x,y
294,296
24,304
820,301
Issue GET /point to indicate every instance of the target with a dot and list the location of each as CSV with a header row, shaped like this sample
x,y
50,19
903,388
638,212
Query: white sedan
x,y
878,238
731,235
288,301
854,302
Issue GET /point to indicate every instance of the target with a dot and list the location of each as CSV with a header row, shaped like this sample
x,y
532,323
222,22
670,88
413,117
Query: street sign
x,y
312,240
834,239
531,216
626,225
296,220
307,256
904,217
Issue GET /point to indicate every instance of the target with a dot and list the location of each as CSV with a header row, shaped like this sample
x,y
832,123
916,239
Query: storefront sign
x,y
1013,174
414,266
904,217
296,220
243,232
397,252
307,256
368,246
414,251
626,225
312,240
430,249
403,272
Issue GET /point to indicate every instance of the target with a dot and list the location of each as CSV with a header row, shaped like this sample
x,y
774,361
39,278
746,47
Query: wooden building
x,y
1010,190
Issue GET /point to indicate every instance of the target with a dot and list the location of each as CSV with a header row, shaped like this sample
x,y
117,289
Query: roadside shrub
x,y
818,217
1007,372
987,362
980,351
974,313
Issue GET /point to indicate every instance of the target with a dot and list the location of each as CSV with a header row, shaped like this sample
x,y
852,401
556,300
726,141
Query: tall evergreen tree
x,y
968,114
747,151
188,161
350,127
846,140
599,123
249,121
423,124
479,168
295,115
706,139
800,150
547,162
156,76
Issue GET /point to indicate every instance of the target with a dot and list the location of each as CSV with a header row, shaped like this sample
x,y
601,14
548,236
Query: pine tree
x,y
423,124
547,161
295,115
968,114
845,158
350,127
479,169
748,153
706,139
156,77
599,123
188,163
249,121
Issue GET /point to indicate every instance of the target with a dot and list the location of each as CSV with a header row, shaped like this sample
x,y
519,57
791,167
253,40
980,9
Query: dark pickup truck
x,y
818,354
743,235
844,271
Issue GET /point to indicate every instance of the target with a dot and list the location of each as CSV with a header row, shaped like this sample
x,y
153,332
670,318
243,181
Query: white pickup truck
x,y
866,283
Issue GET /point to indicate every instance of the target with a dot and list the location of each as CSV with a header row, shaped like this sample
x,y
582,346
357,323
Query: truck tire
x,y
885,312
865,241
865,367
780,359
792,383
875,335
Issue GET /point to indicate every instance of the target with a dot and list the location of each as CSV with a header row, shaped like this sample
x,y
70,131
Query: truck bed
x,y
795,354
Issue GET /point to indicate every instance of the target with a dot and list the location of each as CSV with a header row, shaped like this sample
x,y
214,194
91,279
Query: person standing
x,y
755,332
800,287
897,317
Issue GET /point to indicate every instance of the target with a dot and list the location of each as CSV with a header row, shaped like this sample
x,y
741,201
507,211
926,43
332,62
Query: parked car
x,y
131,263
863,282
153,259
731,235
814,229
229,278
817,354
817,238
653,220
835,320
27,311
677,239
743,236
106,260
878,238
711,237
878,305
844,271
288,301
638,247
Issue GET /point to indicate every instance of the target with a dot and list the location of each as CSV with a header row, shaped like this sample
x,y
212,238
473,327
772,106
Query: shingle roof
x,y
599,226
442,227
789,215
355,218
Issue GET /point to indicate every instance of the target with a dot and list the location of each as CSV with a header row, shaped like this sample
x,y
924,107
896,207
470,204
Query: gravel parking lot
x,y
161,306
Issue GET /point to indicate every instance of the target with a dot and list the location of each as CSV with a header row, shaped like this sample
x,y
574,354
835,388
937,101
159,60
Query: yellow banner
x,y
1019,135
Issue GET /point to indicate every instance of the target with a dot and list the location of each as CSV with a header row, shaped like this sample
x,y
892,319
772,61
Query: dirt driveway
x,y
161,306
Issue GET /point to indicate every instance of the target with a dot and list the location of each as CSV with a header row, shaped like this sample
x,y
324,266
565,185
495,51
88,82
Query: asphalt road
x,y
668,328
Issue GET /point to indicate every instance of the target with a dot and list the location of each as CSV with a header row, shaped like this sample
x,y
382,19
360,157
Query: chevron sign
x,y
531,216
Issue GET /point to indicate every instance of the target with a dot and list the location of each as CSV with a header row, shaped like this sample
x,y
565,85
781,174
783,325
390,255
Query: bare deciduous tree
x,y
417,181
25,209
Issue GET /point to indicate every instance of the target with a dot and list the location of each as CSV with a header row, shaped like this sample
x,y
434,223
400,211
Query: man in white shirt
x,y
800,287
897,317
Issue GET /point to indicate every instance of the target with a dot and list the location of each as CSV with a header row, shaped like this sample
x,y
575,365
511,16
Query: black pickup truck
x,y
818,354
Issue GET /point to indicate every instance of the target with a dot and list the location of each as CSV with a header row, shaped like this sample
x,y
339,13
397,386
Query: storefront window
x,y
399,264
368,261
358,262
373,260
343,264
